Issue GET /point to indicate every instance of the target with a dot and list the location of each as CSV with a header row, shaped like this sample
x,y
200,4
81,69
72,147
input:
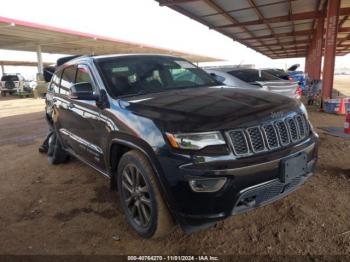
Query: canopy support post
x,y
40,63
330,47
318,48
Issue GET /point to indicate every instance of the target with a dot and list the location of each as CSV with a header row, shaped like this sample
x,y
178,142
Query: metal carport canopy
x,y
27,36
275,28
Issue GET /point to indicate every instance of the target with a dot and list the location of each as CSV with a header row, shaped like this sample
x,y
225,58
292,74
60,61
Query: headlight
x,y
195,141
304,110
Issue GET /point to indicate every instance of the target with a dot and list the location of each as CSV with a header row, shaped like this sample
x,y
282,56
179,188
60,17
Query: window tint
x,y
253,75
83,75
55,82
151,74
277,73
68,79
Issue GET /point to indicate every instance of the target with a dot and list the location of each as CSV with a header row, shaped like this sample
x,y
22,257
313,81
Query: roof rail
x,y
65,59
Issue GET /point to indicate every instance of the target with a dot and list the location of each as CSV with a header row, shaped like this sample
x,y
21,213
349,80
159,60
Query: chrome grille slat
x,y
256,139
292,128
300,125
269,136
282,132
239,142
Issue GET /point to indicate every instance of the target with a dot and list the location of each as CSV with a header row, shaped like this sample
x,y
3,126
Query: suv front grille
x,y
256,139
239,142
269,136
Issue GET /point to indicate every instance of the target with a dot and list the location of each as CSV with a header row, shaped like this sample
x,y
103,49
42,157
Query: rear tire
x,y
56,154
140,196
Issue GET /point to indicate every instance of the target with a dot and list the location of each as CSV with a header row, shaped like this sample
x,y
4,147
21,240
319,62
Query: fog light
x,y
207,184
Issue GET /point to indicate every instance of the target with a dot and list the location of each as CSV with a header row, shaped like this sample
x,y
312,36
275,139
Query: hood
x,y
209,108
293,67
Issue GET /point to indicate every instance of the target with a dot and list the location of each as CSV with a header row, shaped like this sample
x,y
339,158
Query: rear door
x,y
62,104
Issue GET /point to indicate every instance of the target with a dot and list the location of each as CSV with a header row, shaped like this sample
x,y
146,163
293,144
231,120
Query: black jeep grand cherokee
x,y
177,145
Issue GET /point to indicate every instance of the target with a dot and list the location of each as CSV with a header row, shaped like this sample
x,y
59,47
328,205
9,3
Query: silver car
x,y
250,78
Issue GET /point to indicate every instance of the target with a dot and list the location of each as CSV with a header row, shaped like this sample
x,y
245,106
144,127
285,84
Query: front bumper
x,y
251,182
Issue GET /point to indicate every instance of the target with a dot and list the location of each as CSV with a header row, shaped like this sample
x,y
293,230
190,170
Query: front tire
x,y
56,154
141,200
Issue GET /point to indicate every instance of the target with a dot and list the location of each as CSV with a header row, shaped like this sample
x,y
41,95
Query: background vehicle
x,y
11,83
265,81
228,79
277,73
298,76
285,76
177,145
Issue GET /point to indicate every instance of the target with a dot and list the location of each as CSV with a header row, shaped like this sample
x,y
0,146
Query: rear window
x,y
253,75
277,73
9,78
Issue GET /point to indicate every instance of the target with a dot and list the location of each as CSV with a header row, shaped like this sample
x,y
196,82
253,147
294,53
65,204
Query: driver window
x,y
83,75
67,81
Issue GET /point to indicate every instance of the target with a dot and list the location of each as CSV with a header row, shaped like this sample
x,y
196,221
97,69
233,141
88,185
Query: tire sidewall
x,y
56,154
150,230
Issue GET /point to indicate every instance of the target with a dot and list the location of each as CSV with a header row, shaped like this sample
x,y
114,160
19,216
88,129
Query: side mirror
x,y
48,73
82,91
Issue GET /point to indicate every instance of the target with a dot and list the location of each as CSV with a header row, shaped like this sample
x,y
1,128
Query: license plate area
x,y
293,167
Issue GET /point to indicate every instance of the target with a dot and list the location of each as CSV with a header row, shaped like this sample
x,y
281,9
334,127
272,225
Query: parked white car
x,y
11,83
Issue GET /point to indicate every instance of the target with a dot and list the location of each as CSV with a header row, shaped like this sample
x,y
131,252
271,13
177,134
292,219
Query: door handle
x,y
71,105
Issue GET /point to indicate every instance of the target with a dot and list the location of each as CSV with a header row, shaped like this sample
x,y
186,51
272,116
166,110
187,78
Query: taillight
x,y
298,91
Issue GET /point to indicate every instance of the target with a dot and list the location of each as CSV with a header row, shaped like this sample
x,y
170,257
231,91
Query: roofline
x,y
15,22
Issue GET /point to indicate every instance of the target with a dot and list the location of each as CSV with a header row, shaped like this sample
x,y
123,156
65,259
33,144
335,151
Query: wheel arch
x,y
118,147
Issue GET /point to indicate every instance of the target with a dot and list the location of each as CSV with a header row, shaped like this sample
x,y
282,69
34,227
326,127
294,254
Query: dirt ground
x,y
342,84
68,209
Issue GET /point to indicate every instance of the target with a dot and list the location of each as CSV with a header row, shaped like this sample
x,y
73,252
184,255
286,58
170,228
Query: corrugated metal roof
x,y
26,36
276,28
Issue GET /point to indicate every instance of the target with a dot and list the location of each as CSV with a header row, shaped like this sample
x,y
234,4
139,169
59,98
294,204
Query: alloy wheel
x,y
135,193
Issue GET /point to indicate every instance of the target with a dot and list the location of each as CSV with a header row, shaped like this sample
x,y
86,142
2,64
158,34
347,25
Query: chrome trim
x,y
81,140
279,134
290,129
250,140
241,171
231,142
266,137
88,163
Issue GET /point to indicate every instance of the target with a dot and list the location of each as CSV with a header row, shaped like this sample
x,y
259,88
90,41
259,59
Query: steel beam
x,y
40,63
175,2
287,18
318,48
330,47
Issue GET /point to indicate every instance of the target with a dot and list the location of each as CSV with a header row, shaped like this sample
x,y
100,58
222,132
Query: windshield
x,y
135,75
253,75
9,78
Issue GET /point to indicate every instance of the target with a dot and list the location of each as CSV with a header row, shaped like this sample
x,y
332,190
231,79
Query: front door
x,y
85,125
